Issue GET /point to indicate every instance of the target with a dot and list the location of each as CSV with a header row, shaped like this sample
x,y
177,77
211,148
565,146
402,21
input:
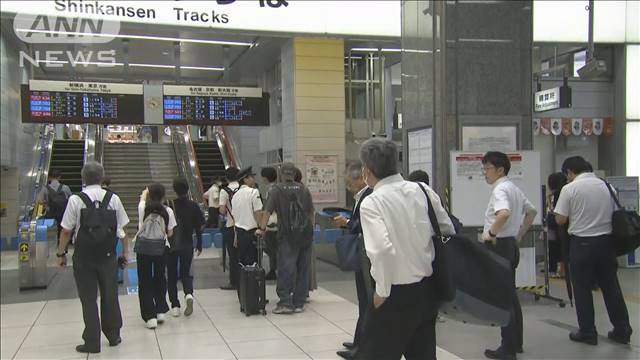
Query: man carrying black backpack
x,y
293,204
55,196
98,217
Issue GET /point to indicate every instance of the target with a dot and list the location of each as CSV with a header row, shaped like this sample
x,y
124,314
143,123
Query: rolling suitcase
x,y
251,289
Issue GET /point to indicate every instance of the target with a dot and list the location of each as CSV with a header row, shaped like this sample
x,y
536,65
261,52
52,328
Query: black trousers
x,y
91,276
227,239
555,255
512,334
179,267
363,304
247,247
271,240
212,218
405,324
593,260
152,285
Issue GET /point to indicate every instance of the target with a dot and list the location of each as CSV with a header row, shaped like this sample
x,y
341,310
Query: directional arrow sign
x,y
24,247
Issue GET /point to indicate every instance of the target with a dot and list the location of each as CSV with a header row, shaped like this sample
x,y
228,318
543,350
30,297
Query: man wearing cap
x,y
294,253
246,210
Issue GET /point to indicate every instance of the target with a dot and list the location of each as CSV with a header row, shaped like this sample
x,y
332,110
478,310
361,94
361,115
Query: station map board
x,y
215,105
75,102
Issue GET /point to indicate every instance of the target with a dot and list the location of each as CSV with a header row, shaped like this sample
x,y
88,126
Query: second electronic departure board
x,y
82,102
215,105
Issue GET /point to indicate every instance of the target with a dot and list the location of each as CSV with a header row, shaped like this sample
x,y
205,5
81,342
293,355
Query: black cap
x,y
245,172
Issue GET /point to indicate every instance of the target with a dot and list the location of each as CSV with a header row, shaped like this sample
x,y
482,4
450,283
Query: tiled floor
x,y
216,330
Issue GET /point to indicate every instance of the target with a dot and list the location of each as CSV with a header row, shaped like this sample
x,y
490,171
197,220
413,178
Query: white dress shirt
x,y
224,201
588,205
71,218
507,196
243,207
213,196
397,232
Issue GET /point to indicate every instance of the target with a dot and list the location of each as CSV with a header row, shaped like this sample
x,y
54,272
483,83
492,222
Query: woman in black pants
x,y
152,281
189,218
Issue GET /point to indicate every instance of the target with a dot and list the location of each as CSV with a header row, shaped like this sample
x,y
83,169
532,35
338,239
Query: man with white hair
x,y
398,240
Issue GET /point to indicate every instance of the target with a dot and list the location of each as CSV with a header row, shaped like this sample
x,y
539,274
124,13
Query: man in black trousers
x,y
359,189
587,205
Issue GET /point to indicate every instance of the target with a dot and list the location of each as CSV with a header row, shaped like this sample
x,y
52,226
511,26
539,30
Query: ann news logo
x,y
39,29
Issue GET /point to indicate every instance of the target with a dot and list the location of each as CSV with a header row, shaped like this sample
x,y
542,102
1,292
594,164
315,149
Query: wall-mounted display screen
x,y
71,102
215,105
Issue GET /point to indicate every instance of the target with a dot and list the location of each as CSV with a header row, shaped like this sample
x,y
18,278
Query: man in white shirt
x,y
226,195
397,236
588,206
94,271
507,219
246,210
213,200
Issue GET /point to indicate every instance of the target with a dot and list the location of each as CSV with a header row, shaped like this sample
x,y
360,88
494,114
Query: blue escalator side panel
x,y
42,226
217,240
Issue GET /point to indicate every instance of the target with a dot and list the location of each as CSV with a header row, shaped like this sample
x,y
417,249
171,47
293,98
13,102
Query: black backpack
x,y
298,227
96,238
56,203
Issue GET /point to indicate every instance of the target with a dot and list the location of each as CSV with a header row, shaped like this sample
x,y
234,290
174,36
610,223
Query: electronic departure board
x,y
82,102
215,105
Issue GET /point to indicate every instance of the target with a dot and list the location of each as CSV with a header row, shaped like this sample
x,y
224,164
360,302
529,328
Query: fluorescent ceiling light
x,y
486,40
114,64
389,50
140,37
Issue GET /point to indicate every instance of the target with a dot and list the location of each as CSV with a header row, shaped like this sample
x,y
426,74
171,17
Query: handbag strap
x,y
432,214
613,195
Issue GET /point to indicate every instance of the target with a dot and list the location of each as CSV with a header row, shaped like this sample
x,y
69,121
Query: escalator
x,y
68,157
209,160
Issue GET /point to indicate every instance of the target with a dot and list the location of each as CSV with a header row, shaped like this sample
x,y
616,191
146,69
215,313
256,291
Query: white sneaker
x,y
189,310
152,324
161,318
175,311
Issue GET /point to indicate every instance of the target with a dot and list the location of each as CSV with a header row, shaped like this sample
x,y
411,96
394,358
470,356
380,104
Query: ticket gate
x,y
38,240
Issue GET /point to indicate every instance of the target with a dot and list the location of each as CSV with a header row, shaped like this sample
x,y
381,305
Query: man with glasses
x,y
508,217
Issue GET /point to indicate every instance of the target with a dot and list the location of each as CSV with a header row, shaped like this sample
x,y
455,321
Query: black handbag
x,y
473,284
626,227
348,249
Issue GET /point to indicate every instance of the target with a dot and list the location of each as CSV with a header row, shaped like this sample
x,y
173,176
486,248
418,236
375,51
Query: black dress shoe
x,y
86,349
499,353
577,336
349,345
347,354
622,339
115,342
519,350
228,287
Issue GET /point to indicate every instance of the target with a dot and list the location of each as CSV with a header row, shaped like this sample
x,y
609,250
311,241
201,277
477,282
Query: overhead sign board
x,y
554,98
373,18
215,105
69,102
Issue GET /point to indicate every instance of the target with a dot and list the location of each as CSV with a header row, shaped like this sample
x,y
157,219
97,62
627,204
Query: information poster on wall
x,y
322,177
489,138
627,189
420,151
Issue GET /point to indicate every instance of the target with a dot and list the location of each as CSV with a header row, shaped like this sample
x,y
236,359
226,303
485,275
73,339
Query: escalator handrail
x,y
39,171
185,156
228,148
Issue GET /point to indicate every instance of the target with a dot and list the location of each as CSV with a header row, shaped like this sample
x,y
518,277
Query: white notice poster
x,y
322,177
420,153
489,138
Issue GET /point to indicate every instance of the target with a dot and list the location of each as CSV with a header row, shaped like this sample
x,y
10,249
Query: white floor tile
x,y
300,356
336,311
66,351
443,354
235,335
320,343
265,348
137,343
349,326
243,322
310,329
18,315
61,311
325,355
184,324
11,339
57,334
169,342
200,351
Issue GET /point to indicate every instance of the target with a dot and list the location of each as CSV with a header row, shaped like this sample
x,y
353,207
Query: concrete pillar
x,y
313,103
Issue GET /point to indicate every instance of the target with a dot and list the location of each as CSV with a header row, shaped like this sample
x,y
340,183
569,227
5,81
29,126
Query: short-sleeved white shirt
x,y
71,218
507,196
244,205
172,217
588,205
224,201
213,195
